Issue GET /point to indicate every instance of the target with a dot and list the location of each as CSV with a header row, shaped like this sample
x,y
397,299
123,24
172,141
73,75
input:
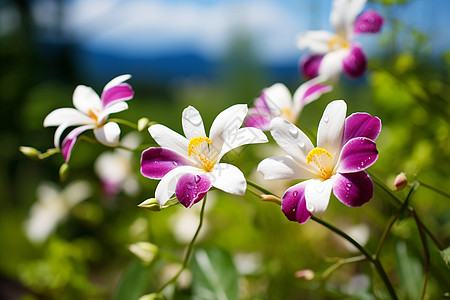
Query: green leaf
x,y
410,269
214,275
445,254
133,283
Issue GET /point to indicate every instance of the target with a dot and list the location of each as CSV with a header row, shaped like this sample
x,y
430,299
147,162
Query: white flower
x,y
52,207
91,112
189,166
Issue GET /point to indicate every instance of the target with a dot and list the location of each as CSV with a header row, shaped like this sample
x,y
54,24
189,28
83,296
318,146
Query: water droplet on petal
x,y
197,178
319,188
301,144
326,119
293,131
295,194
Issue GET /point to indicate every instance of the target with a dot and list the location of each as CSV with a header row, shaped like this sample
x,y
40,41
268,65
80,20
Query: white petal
x,y
331,66
292,140
283,167
226,125
116,81
167,185
228,178
299,100
244,136
192,123
108,134
85,99
118,107
278,98
76,191
343,15
69,116
331,128
315,41
167,138
317,194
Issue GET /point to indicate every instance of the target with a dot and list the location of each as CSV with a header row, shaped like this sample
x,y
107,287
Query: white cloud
x,y
141,27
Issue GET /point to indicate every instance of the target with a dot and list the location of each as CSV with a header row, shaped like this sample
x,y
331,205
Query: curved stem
x,y
426,255
340,263
259,187
124,122
434,189
374,260
189,248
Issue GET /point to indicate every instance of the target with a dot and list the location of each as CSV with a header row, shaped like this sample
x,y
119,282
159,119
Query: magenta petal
x,y
192,188
368,22
121,92
314,92
293,204
354,64
257,121
361,125
157,162
357,155
310,64
68,143
353,189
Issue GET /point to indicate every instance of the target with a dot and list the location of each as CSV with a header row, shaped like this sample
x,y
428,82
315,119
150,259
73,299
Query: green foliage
x,y
133,282
214,275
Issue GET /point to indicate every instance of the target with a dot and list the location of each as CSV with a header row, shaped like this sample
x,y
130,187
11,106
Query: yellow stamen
x,y
93,115
287,112
193,148
338,41
314,156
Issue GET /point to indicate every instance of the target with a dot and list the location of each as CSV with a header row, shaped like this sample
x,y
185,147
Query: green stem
x,y
426,255
374,260
124,122
259,187
434,189
189,248
340,263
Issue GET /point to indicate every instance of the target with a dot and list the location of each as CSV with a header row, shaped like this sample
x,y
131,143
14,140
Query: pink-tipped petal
x,y
118,93
192,188
71,138
361,125
357,155
157,162
293,204
353,189
354,64
314,92
368,22
258,121
309,65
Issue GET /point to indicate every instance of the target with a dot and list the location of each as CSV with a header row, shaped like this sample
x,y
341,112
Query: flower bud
x,y
152,296
30,152
146,252
64,171
400,182
142,124
306,274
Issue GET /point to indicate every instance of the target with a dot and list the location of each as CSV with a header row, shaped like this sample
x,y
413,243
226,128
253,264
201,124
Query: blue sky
x,y
151,27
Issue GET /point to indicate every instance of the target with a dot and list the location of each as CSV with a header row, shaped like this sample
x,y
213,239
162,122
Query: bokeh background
x,y
212,54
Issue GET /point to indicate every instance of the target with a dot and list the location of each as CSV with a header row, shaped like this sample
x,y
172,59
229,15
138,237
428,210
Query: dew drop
x,y
197,178
326,119
319,188
349,185
295,194
301,144
293,131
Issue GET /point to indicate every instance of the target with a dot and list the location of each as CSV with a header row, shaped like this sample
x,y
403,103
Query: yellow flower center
x,y
320,157
194,148
338,42
287,113
93,114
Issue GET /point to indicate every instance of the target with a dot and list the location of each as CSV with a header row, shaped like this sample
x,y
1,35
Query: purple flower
x,y
189,166
334,53
91,112
345,148
276,101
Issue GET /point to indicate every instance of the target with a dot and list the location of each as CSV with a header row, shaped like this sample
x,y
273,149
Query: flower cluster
x,y
335,52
